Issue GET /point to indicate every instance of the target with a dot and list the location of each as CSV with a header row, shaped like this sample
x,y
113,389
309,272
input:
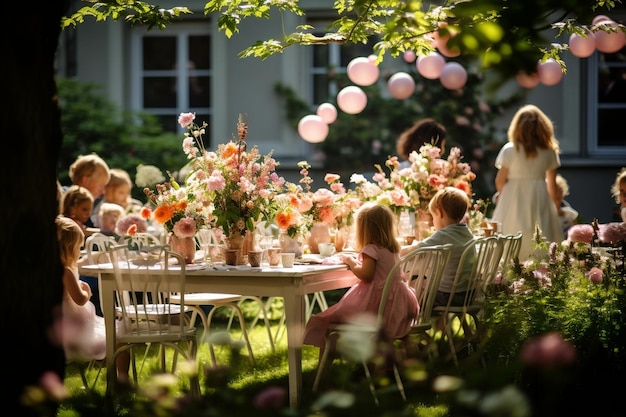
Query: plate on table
x,y
144,261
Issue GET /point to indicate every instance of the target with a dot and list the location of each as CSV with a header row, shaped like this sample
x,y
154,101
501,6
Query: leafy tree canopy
x,y
507,35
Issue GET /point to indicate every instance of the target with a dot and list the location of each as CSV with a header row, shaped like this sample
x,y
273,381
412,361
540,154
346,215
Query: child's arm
x,y
77,289
363,270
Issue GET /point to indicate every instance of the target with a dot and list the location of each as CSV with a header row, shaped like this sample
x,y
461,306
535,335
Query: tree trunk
x,y
29,260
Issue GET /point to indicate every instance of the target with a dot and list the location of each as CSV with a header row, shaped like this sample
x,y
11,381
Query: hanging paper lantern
x,y
409,57
527,80
550,72
327,112
351,100
599,18
610,42
363,71
312,128
453,76
440,41
581,46
430,66
401,85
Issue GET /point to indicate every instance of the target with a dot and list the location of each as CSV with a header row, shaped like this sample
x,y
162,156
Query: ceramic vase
x,y
238,241
185,246
423,224
319,234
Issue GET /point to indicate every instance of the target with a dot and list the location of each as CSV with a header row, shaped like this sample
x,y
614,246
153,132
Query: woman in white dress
x,y
526,179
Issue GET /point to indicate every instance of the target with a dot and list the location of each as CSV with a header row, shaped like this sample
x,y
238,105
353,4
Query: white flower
x,y
148,176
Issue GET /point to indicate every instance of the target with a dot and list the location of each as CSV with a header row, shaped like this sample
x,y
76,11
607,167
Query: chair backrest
x,y
423,267
511,245
98,244
482,255
143,288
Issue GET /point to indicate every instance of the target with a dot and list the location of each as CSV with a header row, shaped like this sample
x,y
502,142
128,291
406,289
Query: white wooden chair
x,y
147,314
459,324
424,266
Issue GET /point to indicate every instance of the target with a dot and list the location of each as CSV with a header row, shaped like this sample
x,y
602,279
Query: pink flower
x,y
185,227
124,224
548,351
580,233
612,232
595,275
331,178
185,119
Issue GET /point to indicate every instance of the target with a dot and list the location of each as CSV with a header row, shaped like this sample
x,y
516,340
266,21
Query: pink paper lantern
x,y
453,76
409,57
363,71
609,42
327,112
599,18
527,80
401,85
550,72
312,128
582,47
430,66
351,100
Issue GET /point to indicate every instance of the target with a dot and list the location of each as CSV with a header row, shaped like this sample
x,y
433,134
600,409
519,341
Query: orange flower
x,y
163,213
132,230
229,150
284,219
146,213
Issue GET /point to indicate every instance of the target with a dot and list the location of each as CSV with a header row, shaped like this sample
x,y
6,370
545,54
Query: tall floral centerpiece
x,y
237,186
412,187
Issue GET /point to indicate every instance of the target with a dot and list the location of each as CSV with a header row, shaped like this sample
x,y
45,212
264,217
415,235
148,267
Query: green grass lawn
x,y
238,381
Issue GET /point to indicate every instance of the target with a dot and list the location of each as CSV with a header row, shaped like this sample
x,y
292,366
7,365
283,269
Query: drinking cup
x,y
273,255
254,257
287,259
230,256
326,249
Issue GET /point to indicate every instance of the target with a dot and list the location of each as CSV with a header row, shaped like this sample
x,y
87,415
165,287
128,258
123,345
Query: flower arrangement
x,y
233,187
176,208
148,176
412,187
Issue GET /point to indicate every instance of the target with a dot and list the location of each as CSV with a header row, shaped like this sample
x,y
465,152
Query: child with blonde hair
x,y
83,332
618,191
118,191
110,214
77,204
448,208
379,250
567,214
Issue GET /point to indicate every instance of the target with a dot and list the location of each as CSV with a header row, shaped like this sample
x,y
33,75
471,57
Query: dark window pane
x,y
168,122
200,52
159,92
159,53
200,91
320,56
611,130
321,88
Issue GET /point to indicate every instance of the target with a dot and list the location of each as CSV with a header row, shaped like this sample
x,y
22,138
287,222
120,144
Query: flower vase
x,y
319,234
290,244
185,246
238,241
423,224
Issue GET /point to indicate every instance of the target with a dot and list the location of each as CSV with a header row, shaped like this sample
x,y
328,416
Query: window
x,y
173,73
330,61
611,99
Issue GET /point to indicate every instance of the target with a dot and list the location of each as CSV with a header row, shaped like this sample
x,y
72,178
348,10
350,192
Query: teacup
x,y
254,258
287,259
273,255
326,249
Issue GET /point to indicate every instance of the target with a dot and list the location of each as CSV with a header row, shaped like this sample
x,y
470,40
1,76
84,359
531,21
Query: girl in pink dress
x,y
378,250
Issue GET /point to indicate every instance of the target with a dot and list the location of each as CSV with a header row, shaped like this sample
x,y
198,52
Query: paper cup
x,y
254,258
273,255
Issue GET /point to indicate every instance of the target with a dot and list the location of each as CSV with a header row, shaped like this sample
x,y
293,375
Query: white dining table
x,y
293,284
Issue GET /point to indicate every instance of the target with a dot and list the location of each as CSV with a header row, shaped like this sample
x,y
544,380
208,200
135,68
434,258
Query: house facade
x,y
191,67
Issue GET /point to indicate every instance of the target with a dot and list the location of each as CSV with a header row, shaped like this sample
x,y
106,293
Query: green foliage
x,y
93,124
